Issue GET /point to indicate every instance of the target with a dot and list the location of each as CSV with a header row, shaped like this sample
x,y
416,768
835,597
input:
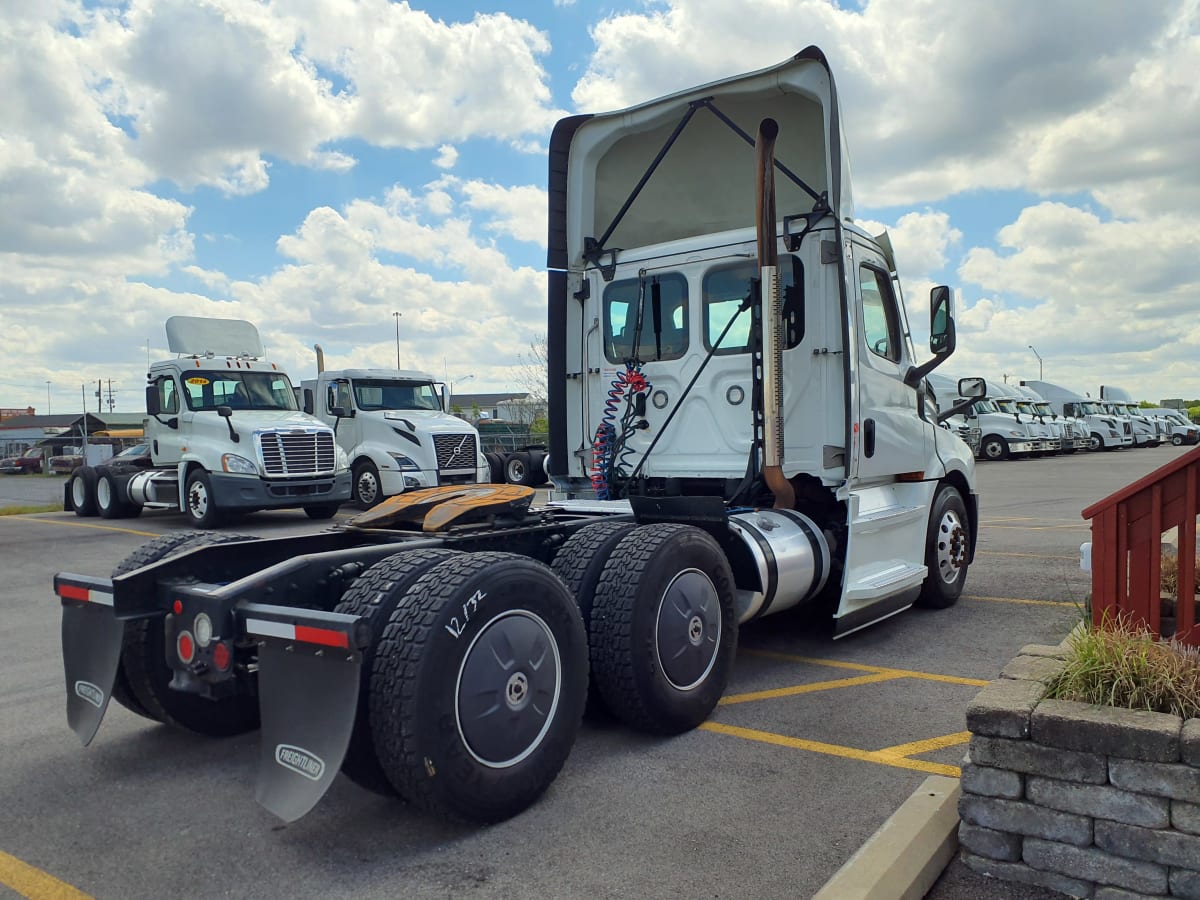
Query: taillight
x,y
185,647
222,656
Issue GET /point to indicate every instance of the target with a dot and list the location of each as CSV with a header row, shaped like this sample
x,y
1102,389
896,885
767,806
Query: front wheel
x,y
1176,440
198,501
947,550
1096,442
994,447
321,511
367,489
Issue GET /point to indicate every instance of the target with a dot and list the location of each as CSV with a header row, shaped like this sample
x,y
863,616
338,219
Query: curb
x,y
909,851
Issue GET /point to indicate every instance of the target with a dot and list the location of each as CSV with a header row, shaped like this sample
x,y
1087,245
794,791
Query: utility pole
x,y
111,400
99,383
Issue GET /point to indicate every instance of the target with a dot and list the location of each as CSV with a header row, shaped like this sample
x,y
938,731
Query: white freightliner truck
x,y
1073,430
738,427
394,428
1106,431
1002,435
1146,430
224,436
1008,401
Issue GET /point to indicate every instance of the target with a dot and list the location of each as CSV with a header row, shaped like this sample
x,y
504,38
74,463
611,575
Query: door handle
x,y
869,438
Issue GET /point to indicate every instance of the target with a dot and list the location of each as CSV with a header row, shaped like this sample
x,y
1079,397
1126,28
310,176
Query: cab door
x,y
889,436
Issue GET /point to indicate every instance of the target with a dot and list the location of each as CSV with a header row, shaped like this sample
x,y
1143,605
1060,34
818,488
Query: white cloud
x,y
447,156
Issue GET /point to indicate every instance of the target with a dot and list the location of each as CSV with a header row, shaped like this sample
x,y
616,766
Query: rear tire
x,y
663,628
82,485
110,503
478,686
374,595
518,469
947,549
143,676
496,466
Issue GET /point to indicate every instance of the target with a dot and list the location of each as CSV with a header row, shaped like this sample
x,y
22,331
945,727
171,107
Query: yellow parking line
x,y
779,740
1024,600
775,693
34,883
84,525
901,751
878,670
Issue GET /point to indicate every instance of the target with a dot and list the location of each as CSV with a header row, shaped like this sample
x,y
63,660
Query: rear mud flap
x,y
307,696
91,643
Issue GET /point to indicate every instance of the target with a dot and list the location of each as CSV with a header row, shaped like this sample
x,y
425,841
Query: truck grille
x,y
455,452
297,452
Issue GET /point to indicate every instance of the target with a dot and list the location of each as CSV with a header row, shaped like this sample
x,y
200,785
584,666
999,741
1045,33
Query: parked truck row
x,y
1039,418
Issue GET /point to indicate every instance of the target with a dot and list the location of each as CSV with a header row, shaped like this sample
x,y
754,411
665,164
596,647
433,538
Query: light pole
x,y
1039,356
396,316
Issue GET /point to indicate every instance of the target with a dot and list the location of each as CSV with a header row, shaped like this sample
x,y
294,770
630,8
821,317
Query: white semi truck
x,y
224,435
1146,429
1073,431
738,427
1002,435
395,430
1105,430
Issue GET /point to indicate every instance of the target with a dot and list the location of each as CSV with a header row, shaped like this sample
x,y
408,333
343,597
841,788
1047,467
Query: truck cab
x,y
696,353
225,432
393,426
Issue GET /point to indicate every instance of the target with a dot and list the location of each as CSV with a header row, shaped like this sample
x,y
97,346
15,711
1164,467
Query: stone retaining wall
x,y
1091,801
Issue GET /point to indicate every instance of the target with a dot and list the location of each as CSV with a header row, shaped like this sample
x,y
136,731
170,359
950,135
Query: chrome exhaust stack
x,y
772,315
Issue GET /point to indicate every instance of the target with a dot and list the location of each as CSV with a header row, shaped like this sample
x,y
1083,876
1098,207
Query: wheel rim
x,y
78,492
516,470
368,487
104,493
992,450
687,633
1096,443
508,689
198,500
951,547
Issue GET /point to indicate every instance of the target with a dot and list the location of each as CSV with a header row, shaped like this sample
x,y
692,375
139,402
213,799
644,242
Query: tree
x,y
531,370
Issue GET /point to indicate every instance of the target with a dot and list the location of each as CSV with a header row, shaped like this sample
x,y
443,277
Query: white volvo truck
x,y
395,430
224,436
739,426
1146,429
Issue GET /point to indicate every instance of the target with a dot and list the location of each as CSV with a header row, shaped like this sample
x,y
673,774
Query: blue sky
x,y
316,165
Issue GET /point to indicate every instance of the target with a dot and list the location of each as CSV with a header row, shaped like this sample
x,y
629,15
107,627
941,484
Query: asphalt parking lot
x,y
814,745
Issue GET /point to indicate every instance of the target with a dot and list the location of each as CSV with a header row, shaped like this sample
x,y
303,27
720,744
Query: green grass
x,y
1123,666
27,510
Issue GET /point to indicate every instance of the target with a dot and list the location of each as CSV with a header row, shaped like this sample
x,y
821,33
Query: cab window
x,y
725,287
621,303
168,396
881,322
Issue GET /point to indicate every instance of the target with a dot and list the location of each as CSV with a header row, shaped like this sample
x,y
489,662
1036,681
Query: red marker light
x,y
221,656
185,647
177,607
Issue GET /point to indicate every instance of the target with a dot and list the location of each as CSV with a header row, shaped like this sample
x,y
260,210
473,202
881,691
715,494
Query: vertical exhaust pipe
x,y
771,314
320,358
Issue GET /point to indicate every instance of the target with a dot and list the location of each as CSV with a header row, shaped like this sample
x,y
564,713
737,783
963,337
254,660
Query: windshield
x,y
1006,404
984,406
1043,409
1026,407
383,393
206,390
1092,409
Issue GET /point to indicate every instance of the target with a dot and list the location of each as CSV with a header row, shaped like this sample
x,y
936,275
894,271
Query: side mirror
x,y
224,411
152,407
445,395
975,388
941,321
307,403
338,412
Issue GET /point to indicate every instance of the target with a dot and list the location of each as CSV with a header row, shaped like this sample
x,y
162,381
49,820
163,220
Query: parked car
x,y
66,464
29,461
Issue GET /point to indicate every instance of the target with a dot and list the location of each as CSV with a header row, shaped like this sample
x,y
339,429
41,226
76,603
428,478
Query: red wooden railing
x,y
1127,530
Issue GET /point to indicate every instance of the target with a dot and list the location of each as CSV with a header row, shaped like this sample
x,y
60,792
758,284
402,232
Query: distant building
x,y
60,433
510,407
